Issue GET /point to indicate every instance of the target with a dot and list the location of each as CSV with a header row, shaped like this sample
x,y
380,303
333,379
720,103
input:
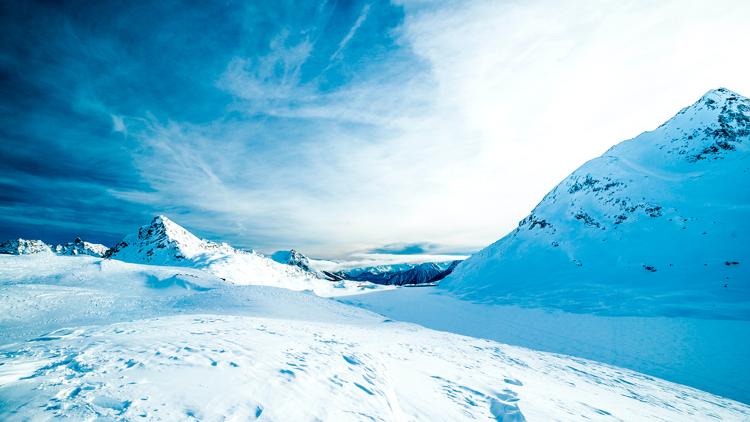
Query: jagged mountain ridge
x,y
657,225
402,274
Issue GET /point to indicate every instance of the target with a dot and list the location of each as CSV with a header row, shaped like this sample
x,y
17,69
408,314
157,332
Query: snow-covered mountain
x,y
297,259
24,247
294,258
80,247
658,225
164,242
87,338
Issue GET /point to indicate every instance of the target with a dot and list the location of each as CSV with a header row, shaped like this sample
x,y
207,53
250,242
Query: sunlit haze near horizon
x,y
333,128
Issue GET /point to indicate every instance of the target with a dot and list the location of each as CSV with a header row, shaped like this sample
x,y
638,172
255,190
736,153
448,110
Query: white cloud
x,y
512,97
118,124
352,31
274,76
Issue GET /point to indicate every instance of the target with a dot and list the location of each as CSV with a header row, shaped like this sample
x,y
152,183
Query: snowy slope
x,y
173,343
163,242
24,247
658,225
81,247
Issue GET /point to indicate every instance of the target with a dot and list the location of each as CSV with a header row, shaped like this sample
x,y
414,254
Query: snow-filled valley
x,y
87,337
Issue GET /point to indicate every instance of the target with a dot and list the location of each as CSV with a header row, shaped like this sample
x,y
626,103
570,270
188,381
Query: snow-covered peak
x,y
163,242
164,231
709,129
718,95
81,247
712,105
23,247
657,225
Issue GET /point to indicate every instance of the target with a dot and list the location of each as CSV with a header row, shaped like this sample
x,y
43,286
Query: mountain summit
x,y
658,225
163,242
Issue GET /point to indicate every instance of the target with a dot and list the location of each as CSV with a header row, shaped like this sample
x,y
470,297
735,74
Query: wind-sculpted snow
x,y
189,346
163,242
658,225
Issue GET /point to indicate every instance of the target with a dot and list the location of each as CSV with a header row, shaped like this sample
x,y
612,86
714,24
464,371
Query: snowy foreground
x,y
90,338
708,354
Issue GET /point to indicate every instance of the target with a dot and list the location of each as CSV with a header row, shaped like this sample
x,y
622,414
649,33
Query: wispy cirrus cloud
x,y
349,35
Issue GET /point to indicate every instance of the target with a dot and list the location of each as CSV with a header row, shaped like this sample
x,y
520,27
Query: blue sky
x,y
333,127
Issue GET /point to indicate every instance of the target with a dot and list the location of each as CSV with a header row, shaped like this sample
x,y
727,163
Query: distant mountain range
x,y
401,274
658,225
163,242
27,247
